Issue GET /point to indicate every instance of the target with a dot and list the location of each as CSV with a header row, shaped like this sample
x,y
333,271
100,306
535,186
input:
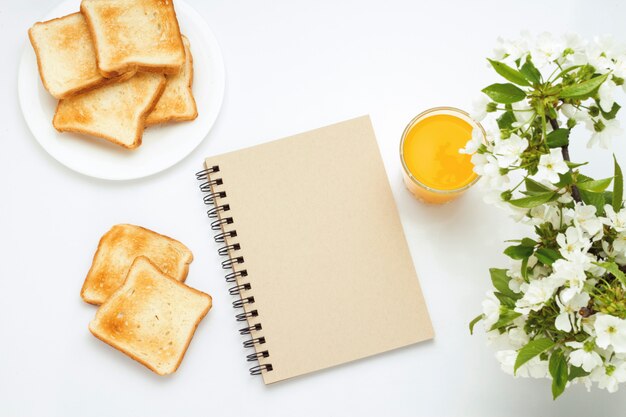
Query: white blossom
x,y
546,49
487,165
479,107
510,50
536,293
606,95
619,244
576,47
619,252
474,143
616,220
509,150
571,271
535,367
610,375
575,113
603,137
585,220
550,166
572,242
610,331
491,310
584,355
523,113
545,213
570,303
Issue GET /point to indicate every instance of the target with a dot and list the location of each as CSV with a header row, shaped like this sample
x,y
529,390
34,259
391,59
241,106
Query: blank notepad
x,y
311,231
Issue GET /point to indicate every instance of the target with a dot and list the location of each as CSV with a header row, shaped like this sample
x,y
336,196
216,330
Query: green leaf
x,y
505,300
566,70
530,72
565,179
574,165
518,252
533,187
576,372
558,369
610,114
613,268
506,317
618,187
533,201
506,120
509,73
473,323
593,199
525,269
595,186
500,281
584,88
504,93
532,349
558,138
547,256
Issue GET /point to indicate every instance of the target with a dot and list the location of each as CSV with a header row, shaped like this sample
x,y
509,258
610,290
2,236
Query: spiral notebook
x,y
320,267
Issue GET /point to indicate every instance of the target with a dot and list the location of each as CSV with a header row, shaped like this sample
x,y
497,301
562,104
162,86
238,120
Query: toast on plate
x,y
151,317
176,104
115,112
116,252
134,35
66,56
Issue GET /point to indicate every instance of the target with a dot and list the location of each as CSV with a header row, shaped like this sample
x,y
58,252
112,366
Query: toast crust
x,y
104,240
93,82
131,66
120,346
138,133
152,119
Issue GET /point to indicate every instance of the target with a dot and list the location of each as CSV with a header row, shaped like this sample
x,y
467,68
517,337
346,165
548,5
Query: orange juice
x,y
434,169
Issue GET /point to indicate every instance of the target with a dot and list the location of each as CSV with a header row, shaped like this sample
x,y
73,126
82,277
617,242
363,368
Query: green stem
x,y
565,153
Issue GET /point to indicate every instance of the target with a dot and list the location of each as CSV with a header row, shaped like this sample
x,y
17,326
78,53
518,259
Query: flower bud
x,y
571,123
506,195
598,125
594,111
492,107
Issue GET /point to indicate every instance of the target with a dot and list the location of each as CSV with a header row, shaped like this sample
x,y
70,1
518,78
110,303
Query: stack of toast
x,y
116,67
146,311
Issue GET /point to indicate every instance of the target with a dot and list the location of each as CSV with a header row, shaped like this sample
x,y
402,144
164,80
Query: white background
x,y
291,66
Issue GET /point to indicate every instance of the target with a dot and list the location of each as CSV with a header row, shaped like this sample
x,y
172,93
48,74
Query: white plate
x,y
163,146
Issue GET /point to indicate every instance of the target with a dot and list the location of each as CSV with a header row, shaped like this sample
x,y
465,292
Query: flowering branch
x,y
559,311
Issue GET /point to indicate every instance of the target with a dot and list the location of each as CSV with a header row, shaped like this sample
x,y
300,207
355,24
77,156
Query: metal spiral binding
x,y
223,223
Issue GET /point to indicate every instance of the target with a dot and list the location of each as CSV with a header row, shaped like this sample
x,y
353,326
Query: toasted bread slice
x,y
66,56
134,35
115,112
151,317
116,252
177,102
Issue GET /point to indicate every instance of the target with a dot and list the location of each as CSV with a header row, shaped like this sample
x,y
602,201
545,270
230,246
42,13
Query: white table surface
x,y
291,66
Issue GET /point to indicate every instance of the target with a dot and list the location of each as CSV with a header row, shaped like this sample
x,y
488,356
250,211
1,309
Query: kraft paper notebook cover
x,y
320,264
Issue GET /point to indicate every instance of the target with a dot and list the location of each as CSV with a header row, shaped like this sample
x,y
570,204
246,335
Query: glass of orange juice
x,y
433,169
